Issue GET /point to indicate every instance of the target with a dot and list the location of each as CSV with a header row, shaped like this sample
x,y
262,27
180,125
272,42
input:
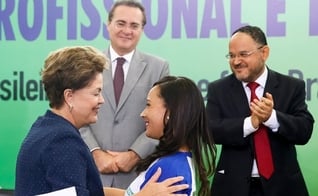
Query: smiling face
x,y
154,114
249,57
85,102
125,28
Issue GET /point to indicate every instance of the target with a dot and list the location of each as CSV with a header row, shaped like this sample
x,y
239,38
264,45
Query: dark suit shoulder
x,y
278,79
226,81
285,77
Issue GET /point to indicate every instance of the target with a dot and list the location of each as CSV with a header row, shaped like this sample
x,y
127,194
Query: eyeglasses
x,y
242,55
122,25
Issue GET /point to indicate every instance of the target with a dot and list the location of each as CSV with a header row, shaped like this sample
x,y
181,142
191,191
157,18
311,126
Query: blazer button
x,y
116,122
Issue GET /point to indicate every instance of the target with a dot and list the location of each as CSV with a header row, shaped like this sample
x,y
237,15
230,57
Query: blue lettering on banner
x,y
30,19
313,22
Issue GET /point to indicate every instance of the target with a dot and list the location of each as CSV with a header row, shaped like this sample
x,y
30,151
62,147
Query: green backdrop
x,y
191,34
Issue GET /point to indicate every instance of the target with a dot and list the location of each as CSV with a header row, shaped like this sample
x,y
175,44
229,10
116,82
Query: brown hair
x,y
70,68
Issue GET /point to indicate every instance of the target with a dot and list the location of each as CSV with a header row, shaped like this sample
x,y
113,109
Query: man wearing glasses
x,y
257,116
118,141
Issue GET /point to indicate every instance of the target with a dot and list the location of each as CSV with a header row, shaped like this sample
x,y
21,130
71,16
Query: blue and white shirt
x,y
176,164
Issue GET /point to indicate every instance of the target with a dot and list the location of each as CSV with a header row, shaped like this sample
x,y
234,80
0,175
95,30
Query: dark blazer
x,y
227,107
53,156
120,128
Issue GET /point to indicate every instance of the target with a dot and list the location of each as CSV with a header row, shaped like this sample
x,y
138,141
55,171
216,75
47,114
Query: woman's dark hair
x,y
187,126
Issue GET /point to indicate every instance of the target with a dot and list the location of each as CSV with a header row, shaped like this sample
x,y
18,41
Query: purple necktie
x,y
263,151
119,78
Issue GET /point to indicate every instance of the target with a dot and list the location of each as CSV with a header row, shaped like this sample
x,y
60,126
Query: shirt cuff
x,y
248,127
272,122
96,148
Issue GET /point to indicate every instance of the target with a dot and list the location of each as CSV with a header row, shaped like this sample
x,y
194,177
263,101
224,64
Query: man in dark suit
x,y
235,122
118,141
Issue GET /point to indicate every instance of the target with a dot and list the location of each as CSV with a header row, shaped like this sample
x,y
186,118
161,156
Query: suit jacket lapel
x,y
237,92
108,90
135,71
240,101
272,83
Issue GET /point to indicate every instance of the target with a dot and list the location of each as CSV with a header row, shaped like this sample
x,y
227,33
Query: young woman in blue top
x,y
175,115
